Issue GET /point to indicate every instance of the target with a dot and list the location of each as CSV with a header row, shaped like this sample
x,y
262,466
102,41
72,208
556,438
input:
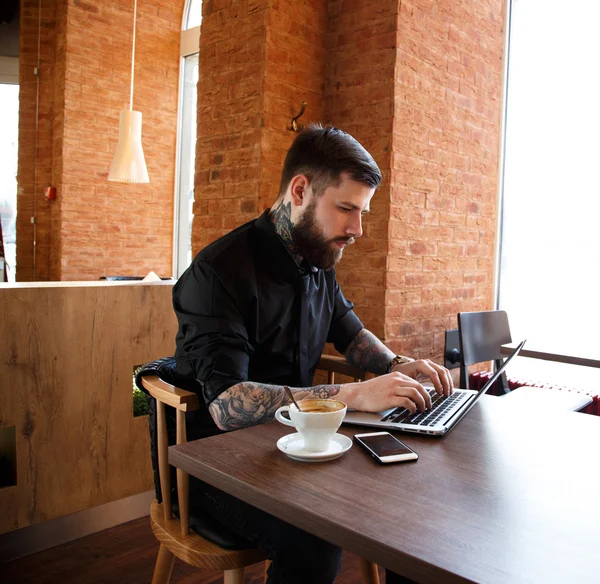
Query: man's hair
x,y
322,154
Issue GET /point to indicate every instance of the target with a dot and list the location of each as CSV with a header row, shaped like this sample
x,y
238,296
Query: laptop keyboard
x,y
439,408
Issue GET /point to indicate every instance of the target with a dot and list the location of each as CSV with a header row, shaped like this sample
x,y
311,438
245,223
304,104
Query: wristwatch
x,y
398,360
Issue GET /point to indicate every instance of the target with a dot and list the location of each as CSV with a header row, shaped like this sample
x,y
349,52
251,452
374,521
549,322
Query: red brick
x,y
421,248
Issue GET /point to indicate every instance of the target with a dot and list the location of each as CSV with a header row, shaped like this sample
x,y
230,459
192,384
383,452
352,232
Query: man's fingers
x,y
430,369
413,383
439,376
416,393
449,382
445,379
407,403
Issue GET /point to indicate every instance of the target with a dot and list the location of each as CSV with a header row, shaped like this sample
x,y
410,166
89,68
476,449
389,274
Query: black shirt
x,y
248,312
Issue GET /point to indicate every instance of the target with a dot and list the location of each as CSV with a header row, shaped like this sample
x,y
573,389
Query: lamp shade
x,y
129,164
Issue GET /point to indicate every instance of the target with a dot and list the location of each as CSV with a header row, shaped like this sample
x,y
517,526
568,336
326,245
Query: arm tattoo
x,y
249,403
369,353
282,221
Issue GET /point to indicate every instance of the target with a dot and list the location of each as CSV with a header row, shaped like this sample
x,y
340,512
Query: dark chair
x,y
217,547
481,336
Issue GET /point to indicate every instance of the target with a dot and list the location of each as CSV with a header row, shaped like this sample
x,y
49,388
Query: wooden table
x,y
498,500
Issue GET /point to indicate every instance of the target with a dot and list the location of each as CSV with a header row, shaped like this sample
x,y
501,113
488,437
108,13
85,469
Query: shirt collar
x,y
281,260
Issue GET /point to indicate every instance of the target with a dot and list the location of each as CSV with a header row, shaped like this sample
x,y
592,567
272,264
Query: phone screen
x,y
385,445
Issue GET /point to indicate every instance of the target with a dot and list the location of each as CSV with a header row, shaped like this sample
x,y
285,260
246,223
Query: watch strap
x,y
398,360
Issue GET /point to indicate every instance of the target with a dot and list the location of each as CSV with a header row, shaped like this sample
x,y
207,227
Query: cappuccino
x,y
320,405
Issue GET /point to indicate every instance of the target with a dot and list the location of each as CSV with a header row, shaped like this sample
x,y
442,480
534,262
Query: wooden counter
x,y
67,353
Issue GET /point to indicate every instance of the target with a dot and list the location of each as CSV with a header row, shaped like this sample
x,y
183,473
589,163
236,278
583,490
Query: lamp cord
x,y
132,55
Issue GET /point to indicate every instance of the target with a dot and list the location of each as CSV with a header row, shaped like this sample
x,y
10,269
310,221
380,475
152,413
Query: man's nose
x,y
354,228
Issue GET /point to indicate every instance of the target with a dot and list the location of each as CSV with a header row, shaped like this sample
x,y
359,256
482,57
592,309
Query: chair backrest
x,y
183,401
481,335
451,349
333,364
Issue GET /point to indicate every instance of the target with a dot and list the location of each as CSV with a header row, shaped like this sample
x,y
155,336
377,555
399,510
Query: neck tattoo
x,y
282,221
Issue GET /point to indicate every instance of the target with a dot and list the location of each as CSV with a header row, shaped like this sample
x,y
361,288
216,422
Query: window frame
x,y
501,157
189,45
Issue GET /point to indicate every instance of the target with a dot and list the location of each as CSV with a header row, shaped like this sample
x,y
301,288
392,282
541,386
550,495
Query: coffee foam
x,y
320,406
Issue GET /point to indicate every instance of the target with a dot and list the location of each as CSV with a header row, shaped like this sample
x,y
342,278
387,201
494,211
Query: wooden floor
x,y
125,554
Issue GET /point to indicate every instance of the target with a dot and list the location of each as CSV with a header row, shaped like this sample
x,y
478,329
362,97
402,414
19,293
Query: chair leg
x,y
235,576
267,564
369,572
164,566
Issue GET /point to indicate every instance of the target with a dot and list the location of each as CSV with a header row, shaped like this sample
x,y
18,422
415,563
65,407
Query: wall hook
x,y
296,127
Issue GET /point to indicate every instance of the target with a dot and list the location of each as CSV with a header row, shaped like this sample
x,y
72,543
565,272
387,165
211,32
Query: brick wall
x,y
295,71
95,227
360,100
445,156
258,61
231,63
52,240
30,201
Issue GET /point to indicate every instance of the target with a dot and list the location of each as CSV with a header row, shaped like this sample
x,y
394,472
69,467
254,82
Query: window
x,y
550,255
184,198
193,14
9,137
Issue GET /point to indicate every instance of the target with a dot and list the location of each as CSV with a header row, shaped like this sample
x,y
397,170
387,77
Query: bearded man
x,y
255,310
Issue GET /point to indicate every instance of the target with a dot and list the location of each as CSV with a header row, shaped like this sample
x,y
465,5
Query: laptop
x,y
444,414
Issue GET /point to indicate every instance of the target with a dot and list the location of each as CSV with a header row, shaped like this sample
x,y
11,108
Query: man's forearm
x,y
249,403
369,353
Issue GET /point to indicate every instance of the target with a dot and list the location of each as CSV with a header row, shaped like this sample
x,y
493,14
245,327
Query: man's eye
x,y
346,209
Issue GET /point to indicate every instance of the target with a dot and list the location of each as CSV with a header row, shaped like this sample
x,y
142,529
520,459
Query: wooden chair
x,y
174,534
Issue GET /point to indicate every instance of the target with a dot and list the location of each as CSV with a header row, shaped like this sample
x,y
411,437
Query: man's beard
x,y
312,245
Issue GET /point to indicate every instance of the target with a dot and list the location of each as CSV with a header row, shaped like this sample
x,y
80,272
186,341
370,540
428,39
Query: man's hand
x,y
367,352
399,388
438,375
386,391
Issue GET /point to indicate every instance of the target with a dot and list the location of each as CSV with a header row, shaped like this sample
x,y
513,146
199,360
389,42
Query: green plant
x,y
140,403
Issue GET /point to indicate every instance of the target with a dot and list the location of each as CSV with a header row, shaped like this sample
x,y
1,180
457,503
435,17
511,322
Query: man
x,y
255,310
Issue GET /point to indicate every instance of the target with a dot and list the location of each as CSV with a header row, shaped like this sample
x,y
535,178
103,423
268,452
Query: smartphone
x,y
384,447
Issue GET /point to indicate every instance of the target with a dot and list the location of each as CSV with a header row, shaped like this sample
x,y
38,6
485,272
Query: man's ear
x,y
299,190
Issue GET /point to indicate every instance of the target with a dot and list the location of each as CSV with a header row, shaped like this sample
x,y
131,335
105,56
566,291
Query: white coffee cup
x,y
316,421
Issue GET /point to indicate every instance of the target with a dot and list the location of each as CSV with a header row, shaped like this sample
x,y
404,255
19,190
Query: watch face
x,y
399,360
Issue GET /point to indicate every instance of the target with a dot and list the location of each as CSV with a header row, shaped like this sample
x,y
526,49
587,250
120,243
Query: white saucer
x,y
293,446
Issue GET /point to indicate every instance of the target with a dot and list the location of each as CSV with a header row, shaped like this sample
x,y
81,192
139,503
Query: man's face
x,y
331,221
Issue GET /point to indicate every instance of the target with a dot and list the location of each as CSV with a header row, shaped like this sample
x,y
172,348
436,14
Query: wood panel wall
x,y
66,359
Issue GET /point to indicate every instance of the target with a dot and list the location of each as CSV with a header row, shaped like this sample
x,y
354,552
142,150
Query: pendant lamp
x,y
129,164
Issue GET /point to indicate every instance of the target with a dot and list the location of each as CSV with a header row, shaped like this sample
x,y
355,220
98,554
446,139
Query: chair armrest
x,y
185,401
335,364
